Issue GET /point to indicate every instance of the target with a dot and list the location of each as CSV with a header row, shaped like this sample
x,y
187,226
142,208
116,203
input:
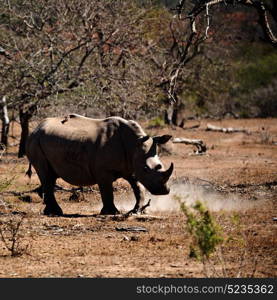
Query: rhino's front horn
x,y
168,172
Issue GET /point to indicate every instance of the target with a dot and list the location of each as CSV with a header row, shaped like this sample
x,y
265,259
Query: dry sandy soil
x,y
236,179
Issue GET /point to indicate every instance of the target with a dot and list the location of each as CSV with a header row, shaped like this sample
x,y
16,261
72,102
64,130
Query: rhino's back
x,y
76,147
70,129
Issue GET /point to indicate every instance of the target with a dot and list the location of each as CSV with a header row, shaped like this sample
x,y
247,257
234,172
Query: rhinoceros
x,y
85,151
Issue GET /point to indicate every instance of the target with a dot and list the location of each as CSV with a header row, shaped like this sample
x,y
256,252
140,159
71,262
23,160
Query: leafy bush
x,y
206,233
156,122
259,72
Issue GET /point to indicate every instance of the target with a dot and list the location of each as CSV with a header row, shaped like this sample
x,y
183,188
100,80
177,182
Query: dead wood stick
x,y
211,127
200,145
59,188
144,206
141,210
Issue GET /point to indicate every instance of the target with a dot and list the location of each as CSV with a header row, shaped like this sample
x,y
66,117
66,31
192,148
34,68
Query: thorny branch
x,y
11,236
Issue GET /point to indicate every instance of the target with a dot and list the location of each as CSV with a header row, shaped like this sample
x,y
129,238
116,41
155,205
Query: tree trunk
x,y
24,118
174,114
168,115
5,123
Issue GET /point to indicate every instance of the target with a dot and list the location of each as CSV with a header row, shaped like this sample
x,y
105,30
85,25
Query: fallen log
x,y
211,127
200,145
191,127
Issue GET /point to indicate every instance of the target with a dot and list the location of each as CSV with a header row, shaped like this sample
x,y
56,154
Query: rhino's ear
x,y
143,139
162,139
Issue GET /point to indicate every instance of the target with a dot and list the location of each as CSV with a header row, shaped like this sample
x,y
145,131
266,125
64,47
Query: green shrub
x,y
205,232
156,123
258,73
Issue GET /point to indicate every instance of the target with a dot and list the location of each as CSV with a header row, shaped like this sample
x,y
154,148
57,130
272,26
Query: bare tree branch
x,y
260,7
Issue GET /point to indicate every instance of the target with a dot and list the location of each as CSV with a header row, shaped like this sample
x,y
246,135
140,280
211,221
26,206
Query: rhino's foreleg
x,y
139,192
106,190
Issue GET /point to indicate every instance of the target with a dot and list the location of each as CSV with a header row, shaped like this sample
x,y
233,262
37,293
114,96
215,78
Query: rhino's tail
x,y
29,171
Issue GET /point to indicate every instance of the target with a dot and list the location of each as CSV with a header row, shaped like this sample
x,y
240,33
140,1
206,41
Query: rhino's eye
x,y
158,167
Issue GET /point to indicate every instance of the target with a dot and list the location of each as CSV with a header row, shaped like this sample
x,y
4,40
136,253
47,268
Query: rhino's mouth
x,y
165,190
161,192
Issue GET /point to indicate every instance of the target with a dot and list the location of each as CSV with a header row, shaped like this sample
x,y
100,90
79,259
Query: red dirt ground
x,y
237,179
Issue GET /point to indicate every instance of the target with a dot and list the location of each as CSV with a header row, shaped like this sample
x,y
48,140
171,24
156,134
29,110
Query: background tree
x,y
55,47
201,16
137,58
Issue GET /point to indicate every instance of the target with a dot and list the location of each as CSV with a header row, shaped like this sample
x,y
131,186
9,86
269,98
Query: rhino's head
x,y
148,168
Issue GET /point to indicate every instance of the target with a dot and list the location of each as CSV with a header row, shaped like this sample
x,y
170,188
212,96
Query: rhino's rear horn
x,y
168,172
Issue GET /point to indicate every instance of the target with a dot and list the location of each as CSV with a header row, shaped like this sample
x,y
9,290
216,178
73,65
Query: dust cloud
x,y
189,193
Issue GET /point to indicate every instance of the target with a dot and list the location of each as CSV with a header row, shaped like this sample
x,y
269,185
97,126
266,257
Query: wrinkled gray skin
x,y
84,151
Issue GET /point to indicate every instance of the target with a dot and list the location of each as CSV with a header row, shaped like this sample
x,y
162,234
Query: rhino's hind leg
x,y
106,190
47,179
52,208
